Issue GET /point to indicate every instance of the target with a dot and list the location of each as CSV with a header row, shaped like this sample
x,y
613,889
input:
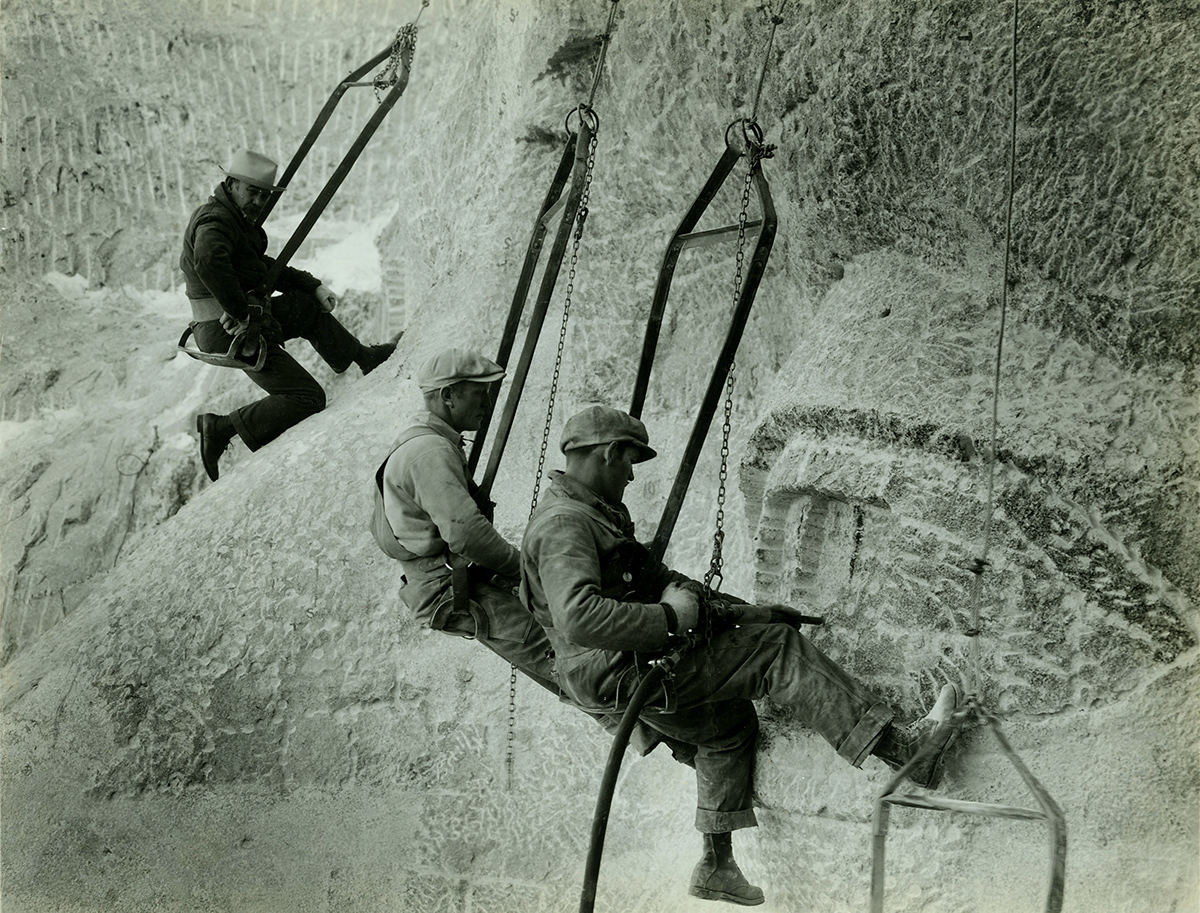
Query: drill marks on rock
x,y
880,538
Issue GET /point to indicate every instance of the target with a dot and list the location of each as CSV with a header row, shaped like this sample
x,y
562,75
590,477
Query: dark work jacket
x,y
599,608
225,256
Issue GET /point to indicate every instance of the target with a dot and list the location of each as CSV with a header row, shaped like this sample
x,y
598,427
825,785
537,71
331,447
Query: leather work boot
x,y
216,431
717,876
900,744
372,357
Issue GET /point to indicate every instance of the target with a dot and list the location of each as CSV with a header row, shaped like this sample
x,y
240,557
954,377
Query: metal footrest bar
x,y
713,235
1047,811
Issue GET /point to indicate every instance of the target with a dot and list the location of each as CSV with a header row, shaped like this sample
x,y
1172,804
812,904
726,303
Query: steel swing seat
x,y
686,236
567,210
395,79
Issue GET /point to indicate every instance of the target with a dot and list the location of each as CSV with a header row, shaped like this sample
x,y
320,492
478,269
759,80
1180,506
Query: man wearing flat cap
x,y
460,574
609,608
224,260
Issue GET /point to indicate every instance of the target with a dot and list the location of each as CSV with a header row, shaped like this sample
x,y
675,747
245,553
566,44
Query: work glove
x,y
326,298
686,605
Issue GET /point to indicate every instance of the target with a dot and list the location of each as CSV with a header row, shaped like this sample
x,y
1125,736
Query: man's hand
x,y
685,604
326,298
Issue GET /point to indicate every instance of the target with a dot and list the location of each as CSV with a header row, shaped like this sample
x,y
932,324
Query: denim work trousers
x,y
293,393
516,637
711,690
512,633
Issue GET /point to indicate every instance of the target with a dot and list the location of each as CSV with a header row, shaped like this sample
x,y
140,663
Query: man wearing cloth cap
x,y
223,261
460,573
607,616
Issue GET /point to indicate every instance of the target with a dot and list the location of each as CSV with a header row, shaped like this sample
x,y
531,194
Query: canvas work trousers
x,y
709,703
292,393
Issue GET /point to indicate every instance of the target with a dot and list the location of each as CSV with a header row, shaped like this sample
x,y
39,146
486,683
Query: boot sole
x,y
706,894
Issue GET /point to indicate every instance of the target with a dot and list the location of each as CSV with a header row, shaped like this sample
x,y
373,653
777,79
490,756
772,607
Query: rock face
x,y
234,711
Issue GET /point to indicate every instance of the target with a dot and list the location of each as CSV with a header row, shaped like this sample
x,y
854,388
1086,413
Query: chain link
x,y
712,580
562,331
512,727
580,218
405,43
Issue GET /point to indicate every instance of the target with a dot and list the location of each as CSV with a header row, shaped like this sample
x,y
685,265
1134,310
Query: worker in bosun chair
x,y
575,561
224,260
460,574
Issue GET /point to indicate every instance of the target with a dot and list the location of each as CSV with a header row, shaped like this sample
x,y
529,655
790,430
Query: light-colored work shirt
x,y
428,503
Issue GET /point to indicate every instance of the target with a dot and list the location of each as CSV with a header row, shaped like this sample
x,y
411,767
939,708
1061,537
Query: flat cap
x,y
603,425
453,365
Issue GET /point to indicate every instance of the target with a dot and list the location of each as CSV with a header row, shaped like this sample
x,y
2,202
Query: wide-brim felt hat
x,y
604,425
254,168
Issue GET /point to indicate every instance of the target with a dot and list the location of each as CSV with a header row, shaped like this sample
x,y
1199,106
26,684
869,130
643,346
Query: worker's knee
x,y
311,400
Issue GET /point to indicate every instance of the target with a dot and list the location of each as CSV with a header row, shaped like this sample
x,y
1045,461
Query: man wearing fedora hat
x,y
608,615
224,260
460,573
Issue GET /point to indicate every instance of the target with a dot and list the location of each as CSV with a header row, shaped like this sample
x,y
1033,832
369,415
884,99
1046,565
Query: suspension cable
x,y
776,20
981,563
604,39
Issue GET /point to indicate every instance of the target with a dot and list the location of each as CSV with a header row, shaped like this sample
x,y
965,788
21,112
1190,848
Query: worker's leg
x,y
725,734
293,394
301,316
514,634
756,661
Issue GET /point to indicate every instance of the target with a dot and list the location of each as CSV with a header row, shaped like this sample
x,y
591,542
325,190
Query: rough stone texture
x,y
233,715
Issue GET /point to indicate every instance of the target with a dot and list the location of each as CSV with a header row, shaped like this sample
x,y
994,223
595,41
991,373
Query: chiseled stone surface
x,y
238,716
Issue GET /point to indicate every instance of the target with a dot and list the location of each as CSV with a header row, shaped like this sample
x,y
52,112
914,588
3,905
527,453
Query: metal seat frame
x,y
1047,810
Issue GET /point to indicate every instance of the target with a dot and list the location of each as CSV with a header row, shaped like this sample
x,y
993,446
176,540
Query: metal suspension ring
x,y
752,137
584,111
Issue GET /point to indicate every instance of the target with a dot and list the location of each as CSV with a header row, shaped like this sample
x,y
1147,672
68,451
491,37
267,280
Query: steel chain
x,y
580,218
405,40
512,726
713,578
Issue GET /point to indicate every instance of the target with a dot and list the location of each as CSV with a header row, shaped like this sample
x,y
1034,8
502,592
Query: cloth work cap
x,y
255,169
603,425
453,365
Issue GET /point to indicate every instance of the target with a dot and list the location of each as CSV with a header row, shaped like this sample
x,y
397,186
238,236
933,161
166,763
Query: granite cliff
x,y
212,698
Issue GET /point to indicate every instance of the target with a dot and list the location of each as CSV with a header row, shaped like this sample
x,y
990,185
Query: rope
x,y
776,21
981,562
604,39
